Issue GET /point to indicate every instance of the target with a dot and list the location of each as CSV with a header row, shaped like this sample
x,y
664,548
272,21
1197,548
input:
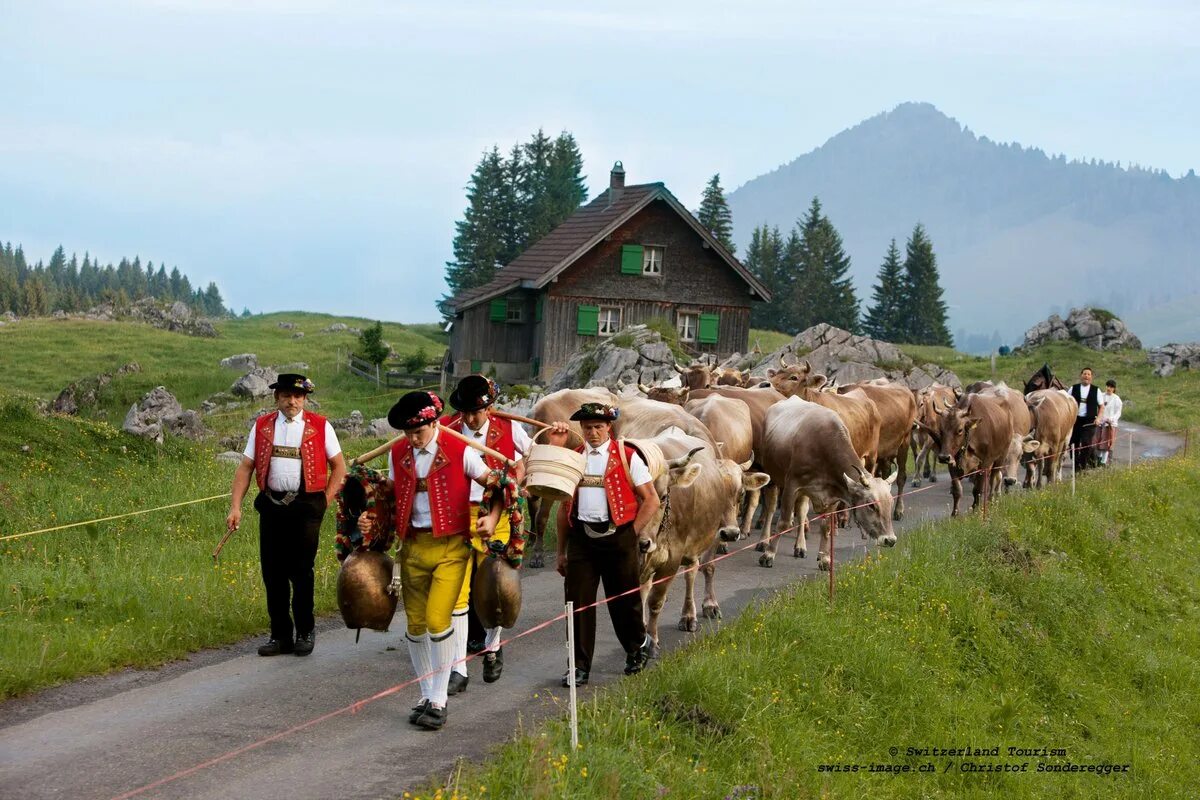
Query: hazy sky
x,y
310,154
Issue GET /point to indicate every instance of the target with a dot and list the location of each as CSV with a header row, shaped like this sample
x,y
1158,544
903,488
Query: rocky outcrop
x,y
635,355
83,394
1094,328
177,316
255,383
159,413
242,361
1170,357
844,357
337,327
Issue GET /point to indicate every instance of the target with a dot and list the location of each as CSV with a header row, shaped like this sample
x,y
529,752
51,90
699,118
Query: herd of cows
x,y
724,440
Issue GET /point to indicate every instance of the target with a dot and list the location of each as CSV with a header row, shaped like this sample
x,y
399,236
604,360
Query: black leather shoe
x,y
275,647
305,643
432,718
493,665
635,661
458,683
475,646
581,678
417,711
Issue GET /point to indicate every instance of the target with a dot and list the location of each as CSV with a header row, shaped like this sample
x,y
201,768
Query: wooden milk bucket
x,y
553,472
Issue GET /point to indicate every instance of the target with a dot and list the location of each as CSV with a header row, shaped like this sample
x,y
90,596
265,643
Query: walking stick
x,y
519,418
224,539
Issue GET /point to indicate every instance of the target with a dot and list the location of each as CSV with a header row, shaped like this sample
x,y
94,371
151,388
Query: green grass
x,y
768,341
1060,622
41,356
132,592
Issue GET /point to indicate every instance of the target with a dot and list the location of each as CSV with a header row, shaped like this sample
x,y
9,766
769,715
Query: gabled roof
x,y
579,233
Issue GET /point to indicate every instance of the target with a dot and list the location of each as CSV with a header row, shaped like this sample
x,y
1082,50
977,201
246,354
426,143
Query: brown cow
x,y
702,502
897,416
929,400
728,421
974,438
1054,415
1022,425
758,400
665,394
811,461
725,376
696,376
855,408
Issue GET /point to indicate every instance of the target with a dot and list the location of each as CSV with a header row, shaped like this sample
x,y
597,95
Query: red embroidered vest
x,y
499,438
449,488
313,464
618,487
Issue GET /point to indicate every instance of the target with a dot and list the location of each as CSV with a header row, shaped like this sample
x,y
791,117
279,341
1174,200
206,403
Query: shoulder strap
x,y
624,459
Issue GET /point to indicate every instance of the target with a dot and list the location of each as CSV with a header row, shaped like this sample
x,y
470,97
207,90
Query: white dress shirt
x,y
521,441
1084,394
593,502
1111,413
284,475
473,468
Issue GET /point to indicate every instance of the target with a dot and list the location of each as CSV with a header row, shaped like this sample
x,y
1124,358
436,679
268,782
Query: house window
x,y
686,325
609,320
513,311
652,258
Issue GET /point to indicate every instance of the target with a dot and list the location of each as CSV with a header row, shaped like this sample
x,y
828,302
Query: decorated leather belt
x,y
285,452
282,498
592,482
597,529
422,485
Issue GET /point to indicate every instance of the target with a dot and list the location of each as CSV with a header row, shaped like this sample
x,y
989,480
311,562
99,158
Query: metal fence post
x,y
571,675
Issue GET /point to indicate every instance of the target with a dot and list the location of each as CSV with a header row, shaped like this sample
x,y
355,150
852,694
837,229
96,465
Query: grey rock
x,y
157,412
255,383
298,335
147,428
189,425
229,457
242,361
336,327
9,316
379,429
642,356
356,417
1094,329
1171,357
287,326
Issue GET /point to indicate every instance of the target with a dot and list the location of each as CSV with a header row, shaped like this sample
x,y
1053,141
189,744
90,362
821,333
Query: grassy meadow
x,y
1060,622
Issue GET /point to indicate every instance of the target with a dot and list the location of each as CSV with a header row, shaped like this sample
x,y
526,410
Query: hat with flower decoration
x,y
293,382
473,393
414,410
596,411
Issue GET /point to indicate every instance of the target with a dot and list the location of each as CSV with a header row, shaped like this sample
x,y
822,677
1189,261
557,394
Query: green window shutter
x,y
708,328
498,310
588,320
535,367
631,259
476,367
537,308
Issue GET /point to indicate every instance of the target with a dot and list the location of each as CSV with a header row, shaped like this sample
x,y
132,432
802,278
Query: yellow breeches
x,y
433,572
480,550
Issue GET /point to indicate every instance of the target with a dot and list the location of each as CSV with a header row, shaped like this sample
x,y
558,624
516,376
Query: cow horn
x,y
643,389
747,464
682,461
891,479
677,368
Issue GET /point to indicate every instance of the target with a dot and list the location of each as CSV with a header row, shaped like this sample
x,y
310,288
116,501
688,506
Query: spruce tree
x,y
822,291
924,308
566,187
763,259
535,187
480,236
714,213
885,320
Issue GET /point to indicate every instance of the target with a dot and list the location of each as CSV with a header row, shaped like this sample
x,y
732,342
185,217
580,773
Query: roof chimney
x,y
616,183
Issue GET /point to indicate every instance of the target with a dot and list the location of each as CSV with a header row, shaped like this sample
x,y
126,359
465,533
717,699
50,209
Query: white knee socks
x,y
422,661
442,647
458,621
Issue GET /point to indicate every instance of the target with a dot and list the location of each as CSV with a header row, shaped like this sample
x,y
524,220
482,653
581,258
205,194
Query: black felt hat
x,y
473,393
596,411
293,382
414,410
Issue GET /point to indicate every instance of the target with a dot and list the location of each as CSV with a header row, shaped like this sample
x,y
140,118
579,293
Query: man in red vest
x,y
473,398
431,474
292,451
598,538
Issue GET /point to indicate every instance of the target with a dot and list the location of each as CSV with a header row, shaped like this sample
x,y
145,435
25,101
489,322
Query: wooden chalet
x,y
631,255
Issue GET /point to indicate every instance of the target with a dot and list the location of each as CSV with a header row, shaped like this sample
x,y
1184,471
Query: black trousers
x,y
613,561
1083,434
287,548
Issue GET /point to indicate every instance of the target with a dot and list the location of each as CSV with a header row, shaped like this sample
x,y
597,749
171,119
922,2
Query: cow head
x,y
871,501
696,376
796,379
738,480
728,377
679,473
665,394
953,434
